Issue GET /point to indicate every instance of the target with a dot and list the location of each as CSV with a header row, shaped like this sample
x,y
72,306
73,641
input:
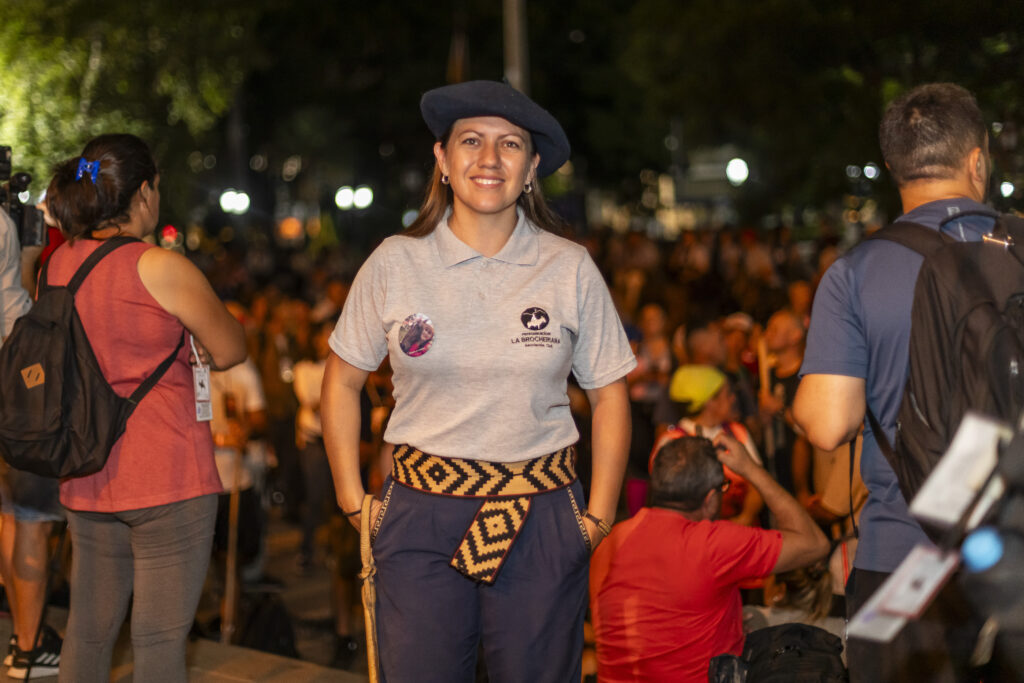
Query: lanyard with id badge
x,y
201,381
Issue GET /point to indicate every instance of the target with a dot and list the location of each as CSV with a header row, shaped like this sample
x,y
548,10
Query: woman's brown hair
x,y
95,190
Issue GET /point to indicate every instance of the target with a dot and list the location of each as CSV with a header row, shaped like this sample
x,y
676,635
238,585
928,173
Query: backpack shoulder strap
x,y
94,258
1009,233
1011,225
914,236
151,381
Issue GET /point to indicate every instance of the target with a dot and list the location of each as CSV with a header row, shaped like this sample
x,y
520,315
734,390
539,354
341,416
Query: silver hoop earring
x,y
528,188
444,179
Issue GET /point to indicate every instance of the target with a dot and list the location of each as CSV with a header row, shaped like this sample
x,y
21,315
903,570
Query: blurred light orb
x,y
853,172
362,197
1006,188
290,228
408,217
344,198
737,171
227,201
291,167
23,197
234,201
871,171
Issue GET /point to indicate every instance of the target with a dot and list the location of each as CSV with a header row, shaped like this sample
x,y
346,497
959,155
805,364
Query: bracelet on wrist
x,y
604,526
351,514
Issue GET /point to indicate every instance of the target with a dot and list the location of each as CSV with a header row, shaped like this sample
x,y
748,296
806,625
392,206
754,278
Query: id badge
x,y
204,411
201,382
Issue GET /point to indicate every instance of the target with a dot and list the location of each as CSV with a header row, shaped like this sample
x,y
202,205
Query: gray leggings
x,y
159,553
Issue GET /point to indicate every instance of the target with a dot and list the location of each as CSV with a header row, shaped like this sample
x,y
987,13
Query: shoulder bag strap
x,y
151,381
914,236
882,439
94,258
853,455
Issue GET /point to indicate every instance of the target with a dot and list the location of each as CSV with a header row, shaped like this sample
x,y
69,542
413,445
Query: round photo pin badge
x,y
416,335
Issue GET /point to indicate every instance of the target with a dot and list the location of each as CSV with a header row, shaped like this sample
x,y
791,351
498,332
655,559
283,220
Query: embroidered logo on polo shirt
x,y
535,319
416,335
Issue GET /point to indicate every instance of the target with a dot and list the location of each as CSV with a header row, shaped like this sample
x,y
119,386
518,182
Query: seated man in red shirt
x,y
663,585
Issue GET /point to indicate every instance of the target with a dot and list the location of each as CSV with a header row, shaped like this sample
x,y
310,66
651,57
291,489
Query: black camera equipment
x,y
27,219
993,557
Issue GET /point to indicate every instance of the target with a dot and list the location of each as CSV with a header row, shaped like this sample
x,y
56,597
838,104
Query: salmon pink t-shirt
x,y
164,455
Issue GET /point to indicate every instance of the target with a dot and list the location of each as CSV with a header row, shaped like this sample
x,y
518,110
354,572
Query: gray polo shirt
x,y
482,348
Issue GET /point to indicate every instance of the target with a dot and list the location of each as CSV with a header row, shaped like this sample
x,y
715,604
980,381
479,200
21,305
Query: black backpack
x,y
966,342
787,653
59,417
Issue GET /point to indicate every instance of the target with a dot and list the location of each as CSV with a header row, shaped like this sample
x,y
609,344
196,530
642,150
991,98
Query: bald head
x,y
785,331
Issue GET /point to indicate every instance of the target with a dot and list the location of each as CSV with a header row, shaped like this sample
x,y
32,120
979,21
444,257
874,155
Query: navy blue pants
x,y
431,619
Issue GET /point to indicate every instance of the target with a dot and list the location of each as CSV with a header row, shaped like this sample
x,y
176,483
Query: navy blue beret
x,y
444,106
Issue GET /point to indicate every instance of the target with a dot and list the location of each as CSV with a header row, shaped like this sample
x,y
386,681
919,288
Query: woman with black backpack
x,y
142,526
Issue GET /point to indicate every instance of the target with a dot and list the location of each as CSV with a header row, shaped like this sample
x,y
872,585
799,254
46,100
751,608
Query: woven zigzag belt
x,y
506,488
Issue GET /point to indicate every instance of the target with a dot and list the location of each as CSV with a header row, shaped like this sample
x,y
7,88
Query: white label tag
x,y
201,379
904,595
916,581
962,471
204,411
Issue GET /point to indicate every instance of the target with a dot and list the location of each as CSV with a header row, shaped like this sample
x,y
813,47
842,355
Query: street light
x,y
359,198
362,197
234,201
344,198
737,171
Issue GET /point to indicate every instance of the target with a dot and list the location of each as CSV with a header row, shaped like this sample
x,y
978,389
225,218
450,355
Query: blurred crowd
x,y
726,303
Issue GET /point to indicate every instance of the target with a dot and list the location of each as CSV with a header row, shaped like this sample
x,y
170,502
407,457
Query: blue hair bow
x,y
90,167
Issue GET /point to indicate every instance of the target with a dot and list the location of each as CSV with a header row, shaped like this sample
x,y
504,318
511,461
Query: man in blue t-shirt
x,y
935,145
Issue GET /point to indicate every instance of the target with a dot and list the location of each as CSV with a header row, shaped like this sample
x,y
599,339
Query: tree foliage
x,y
799,84
802,84
71,69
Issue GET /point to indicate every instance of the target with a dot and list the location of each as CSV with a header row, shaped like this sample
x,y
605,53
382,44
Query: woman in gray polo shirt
x,y
482,533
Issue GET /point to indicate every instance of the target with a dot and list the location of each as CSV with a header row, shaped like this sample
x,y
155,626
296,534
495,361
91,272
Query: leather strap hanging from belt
x,y
368,576
506,488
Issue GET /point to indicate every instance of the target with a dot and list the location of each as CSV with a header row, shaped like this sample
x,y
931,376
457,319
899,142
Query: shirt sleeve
x,y
14,300
835,341
602,353
360,337
740,552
